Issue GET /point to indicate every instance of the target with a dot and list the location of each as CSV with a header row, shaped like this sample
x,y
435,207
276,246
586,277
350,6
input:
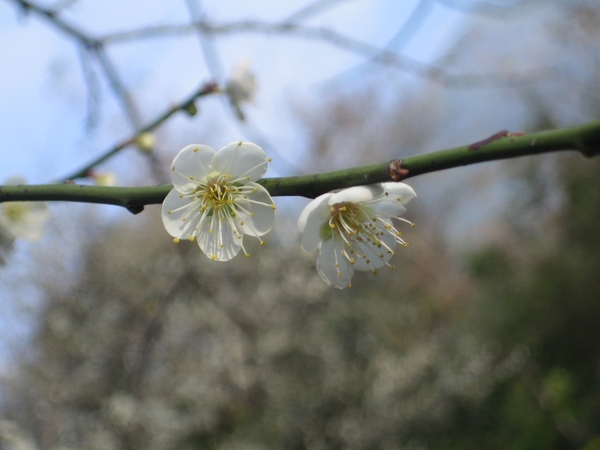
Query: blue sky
x,y
43,100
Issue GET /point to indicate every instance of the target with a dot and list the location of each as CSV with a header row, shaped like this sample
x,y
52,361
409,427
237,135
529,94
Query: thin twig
x,y
311,10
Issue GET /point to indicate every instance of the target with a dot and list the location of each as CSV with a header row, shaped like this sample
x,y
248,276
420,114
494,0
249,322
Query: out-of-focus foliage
x,y
156,347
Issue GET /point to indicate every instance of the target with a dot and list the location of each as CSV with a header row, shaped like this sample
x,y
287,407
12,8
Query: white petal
x,y
376,256
217,239
15,180
31,227
330,255
357,194
387,206
241,159
24,219
259,203
311,220
191,165
180,208
400,190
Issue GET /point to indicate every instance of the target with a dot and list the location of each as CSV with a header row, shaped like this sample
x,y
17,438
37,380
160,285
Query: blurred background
x,y
487,333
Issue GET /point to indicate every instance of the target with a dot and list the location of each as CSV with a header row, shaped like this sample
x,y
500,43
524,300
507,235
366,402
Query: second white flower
x,y
353,229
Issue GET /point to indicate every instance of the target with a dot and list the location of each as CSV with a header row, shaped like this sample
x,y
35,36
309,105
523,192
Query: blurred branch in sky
x,y
95,47
312,9
383,56
187,105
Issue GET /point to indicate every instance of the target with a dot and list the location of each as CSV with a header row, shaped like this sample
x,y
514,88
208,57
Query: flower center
x,y
361,234
218,194
352,221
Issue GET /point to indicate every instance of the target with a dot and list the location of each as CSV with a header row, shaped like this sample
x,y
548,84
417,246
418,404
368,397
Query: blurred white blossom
x,y
13,438
353,230
215,199
241,87
146,142
23,220
104,178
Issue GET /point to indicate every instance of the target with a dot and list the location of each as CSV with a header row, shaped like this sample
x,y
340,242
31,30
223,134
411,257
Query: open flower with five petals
x,y
216,200
353,229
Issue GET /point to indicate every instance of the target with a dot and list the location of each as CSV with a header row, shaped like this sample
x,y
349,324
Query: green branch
x,y
503,145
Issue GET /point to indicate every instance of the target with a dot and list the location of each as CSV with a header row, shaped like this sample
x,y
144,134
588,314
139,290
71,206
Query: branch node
x,y
134,208
589,151
494,137
395,170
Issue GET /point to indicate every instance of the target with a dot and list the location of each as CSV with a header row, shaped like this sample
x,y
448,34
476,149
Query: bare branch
x,y
311,10
93,88
488,9
62,4
118,87
420,69
208,49
408,29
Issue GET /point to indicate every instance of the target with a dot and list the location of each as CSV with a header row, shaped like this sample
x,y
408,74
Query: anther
x,y
176,240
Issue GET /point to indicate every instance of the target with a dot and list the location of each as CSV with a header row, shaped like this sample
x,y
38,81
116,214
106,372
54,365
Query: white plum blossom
x,y
216,200
23,220
146,142
20,220
104,178
241,87
353,230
